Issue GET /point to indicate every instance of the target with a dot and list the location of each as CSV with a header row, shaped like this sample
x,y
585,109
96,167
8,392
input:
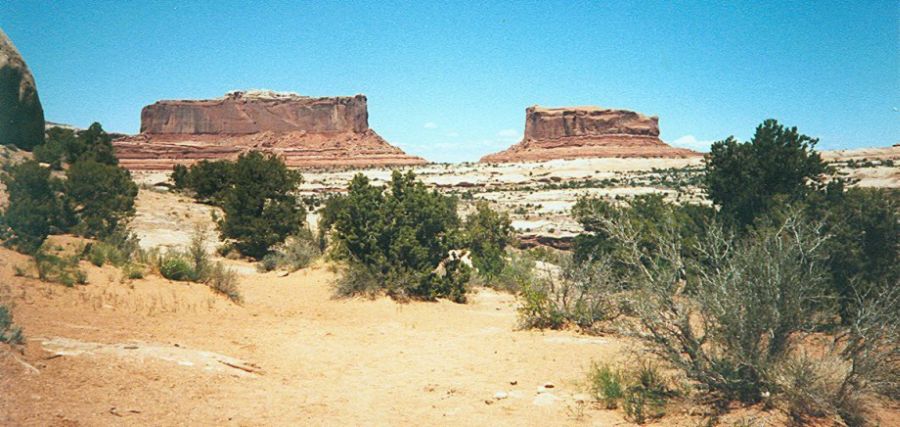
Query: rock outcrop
x,y
21,114
578,132
305,131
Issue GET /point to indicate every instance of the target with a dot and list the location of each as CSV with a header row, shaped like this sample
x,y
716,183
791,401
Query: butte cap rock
x,y
304,131
21,115
579,132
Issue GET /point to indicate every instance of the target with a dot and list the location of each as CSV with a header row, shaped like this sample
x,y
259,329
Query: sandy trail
x,y
106,358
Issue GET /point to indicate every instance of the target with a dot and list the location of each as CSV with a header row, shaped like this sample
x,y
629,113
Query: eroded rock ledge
x,y
578,132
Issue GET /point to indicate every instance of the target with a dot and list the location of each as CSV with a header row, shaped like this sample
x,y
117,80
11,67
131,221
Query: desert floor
x,y
156,352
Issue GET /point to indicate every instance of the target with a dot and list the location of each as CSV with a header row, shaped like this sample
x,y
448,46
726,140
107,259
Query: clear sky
x,y
450,80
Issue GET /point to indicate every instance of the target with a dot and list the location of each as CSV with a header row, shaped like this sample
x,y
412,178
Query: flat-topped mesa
x,y
579,132
241,113
551,123
304,131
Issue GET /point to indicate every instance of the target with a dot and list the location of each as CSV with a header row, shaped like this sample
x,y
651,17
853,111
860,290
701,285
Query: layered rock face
x,y
21,114
305,131
578,132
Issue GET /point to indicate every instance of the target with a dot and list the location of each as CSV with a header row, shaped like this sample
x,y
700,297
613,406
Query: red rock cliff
x,y
305,131
577,132
254,112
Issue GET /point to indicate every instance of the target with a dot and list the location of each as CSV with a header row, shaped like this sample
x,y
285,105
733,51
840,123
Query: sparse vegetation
x,y
517,273
298,251
225,281
606,385
738,329
641,392
189,265
194,265
9,332
763,301
58,268
100,253
578,294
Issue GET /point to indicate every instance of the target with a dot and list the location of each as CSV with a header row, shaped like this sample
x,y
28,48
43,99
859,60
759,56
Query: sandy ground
x,y
154,352
169,220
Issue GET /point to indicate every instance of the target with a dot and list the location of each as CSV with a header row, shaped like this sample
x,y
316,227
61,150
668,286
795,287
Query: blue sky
x,y
451,80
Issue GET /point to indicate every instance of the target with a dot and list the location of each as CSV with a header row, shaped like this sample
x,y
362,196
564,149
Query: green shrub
x,y
209,181
176,267
180,177
199,258
863,251
92,144
133,271
268,263
100,197
225,281
9,332
34,206
646,395
97,256
186,265
328,215
537,309
582,294
395,239
642,392
744,179
51,152
450,281
114,251
58,269
298,251
191,265
606,385
487,234
66,146
261,208
61,146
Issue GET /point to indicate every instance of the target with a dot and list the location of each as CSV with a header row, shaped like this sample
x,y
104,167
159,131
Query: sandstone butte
x,y
21,114
304,131
579,132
